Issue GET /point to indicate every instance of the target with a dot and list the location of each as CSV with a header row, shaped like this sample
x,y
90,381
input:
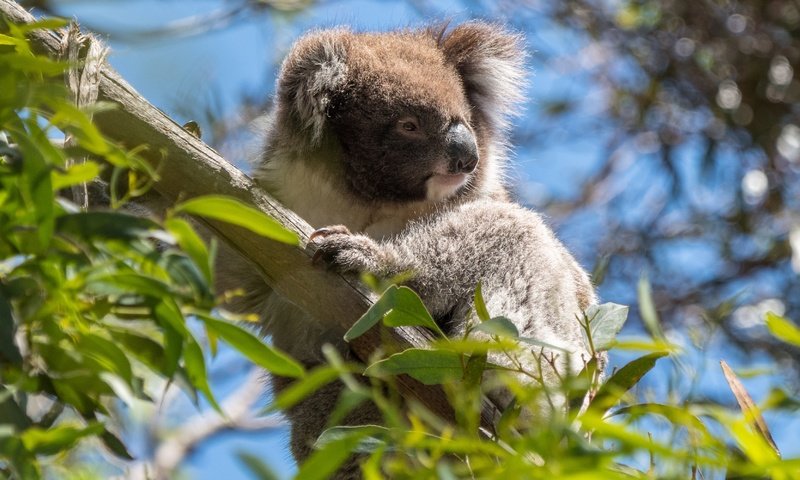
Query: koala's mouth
x,y
441,186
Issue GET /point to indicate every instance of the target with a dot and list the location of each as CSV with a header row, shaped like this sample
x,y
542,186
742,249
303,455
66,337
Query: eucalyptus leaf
x,y
192,244
233,211
480,304
76,174
783,329
56,439
624,379
195,366
106,225
373,315
302,388
369,434
254,349
605,322
647,309
428,366
500,326
323,462
408,310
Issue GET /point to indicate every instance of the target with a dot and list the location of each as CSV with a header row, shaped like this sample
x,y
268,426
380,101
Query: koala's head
x,y
414,115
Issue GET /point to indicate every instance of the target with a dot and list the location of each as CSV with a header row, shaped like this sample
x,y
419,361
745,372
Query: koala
x,y
393,145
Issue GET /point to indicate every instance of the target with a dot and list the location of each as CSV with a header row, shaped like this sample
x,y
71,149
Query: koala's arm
x,y
526,274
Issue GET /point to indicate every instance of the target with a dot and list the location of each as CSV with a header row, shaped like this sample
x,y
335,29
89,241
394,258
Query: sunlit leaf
x,y
76,174
480,304
302,388
230,210
605,322
749,408
500,326
408,310
783,329
256,350
56,439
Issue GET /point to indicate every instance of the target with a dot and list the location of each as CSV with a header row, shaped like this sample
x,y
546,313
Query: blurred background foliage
x,y
662,138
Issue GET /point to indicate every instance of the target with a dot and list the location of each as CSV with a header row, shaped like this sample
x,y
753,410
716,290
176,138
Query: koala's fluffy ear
x,y
315,69
490,60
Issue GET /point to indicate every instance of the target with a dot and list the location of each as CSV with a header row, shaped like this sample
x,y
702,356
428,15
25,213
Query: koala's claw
x,y
343,252
326,231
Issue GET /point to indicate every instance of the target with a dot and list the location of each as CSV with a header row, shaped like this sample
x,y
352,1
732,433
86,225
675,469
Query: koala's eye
x,y
409,125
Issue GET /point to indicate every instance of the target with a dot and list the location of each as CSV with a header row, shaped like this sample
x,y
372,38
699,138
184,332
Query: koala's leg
x,y
310,417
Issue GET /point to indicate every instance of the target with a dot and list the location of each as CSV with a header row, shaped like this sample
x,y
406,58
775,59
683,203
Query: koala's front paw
x,y
344,252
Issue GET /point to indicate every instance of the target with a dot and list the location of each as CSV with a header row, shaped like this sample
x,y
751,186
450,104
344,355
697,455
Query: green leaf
x,y
43,24
231,210
192,244
107,355
473,373
56,439
302,388
168,314
127,283
22,462
428,366
107,225
75,175
480,305
323,463
783,329
398,306
500,326
408,310
647,309
624,379
10,412
677,415
6,40
9,352
368,433
254,349
374,315
605,322
195,366
144,349
173,349
256,466
115,445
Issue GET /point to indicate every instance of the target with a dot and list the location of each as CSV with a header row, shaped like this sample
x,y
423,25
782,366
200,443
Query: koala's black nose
x,y
461,148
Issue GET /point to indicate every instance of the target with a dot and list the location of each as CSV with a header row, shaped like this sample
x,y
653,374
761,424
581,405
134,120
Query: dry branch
x,y
188,168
